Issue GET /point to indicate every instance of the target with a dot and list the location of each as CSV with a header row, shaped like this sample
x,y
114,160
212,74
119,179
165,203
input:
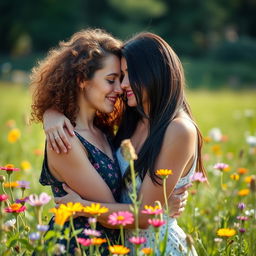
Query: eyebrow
x,y
113,74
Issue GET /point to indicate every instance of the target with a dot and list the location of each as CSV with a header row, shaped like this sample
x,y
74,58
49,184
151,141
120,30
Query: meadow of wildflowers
x,y
220,217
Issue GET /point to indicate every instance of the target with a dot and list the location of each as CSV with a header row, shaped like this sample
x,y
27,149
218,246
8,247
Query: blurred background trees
x,y
216,39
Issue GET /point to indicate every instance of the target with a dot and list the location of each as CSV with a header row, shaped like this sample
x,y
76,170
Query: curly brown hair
x,y
55,80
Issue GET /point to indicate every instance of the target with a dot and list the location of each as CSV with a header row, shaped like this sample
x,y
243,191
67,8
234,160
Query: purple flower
x,y
21,200
242,230
198,176
42,228
220,166
43,198
34,236
241,206
91,232
23,184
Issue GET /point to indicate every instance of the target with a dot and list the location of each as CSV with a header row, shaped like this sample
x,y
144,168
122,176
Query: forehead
x,y
111,64
123,64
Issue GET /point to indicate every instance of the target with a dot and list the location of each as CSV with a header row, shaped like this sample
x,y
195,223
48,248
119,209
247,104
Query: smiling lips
x,y
112,99
129,93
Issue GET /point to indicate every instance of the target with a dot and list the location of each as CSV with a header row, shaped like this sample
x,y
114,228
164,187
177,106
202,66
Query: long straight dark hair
x,y
154,68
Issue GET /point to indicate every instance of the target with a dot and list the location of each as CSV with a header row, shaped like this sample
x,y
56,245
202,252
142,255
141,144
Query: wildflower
x,y
59,249
163,173
118,249
198,176
226,232
42,228
250,212
10,123
25,165
242,218
207,139
147,250
16,208
91,232
21,200
234,176
221,167
23,184
156,222
243,192
43,198
98,241
251,140
241,206
242,230
61,215
84,241
152,210
242,171
9,168
72,207
3,197
95,209
13,135
10,223
12,184
248,179
128,150
137,240
215,134
92,220
218,240
34,236
120,218
224,186
216,149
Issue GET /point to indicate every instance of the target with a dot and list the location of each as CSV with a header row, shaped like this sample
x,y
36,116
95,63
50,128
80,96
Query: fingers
x,y
53,142
61,140
69,127
182,189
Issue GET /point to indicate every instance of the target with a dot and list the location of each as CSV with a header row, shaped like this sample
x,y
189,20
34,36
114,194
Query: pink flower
x,y
15,208
43,198
92,220
221,166
9,168
156,222
120,218
84,242
242,218
3,197
137,240
91,232
23,184
198,176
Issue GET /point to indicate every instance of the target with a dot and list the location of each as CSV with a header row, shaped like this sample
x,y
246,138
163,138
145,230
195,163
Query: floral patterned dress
x,y
108,170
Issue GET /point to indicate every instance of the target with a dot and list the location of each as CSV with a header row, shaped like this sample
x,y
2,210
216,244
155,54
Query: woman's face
x,y
125,85
102,90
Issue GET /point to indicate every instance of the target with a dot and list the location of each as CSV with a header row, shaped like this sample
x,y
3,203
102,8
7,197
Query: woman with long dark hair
x,y
158,121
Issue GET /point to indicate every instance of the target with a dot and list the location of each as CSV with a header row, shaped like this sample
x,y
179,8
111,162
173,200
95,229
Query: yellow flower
x,y
61,215
25,165
12,184
95,209
118,249
128,150
72,207
207,139
147,251
224,186
227,232
164,172
243,192
216,149
242,171
13,135
234,176
98,241
248,179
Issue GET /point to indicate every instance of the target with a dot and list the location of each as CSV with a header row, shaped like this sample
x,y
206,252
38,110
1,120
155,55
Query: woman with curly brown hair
x,y
81,79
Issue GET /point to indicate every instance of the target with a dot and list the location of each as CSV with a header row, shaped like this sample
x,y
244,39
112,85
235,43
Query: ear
x,y
83,84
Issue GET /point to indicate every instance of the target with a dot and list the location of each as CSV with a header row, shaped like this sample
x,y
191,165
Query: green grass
x,y
212,207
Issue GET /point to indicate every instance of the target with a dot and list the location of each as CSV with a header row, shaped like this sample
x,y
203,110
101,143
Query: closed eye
x,y
110,81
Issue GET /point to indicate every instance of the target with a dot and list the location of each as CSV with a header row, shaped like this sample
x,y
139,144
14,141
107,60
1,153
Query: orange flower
x,y
207,139
61,215
242,171
13,135
147,251
15,208
164,172
12,184
118,249
216,149
38,152
95,209
98,241
227,232
243,192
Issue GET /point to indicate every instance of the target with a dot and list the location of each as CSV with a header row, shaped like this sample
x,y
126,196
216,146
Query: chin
x,y
132,103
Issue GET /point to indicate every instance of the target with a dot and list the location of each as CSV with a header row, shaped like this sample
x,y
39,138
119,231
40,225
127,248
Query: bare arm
x,y
75,169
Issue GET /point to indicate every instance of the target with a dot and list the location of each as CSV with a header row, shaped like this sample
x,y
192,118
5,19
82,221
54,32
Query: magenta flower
x,y
137,240
23,184
3,197
9,168
242,230
199,177
221,166
91,232
241,206
120,218
152,210
21,200
242,218
43,198
84,242
156,222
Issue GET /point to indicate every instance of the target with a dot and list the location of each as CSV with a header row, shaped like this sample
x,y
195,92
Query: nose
x,y
125,82
117,87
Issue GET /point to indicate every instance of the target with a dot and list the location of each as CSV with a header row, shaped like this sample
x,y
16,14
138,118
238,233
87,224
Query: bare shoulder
x,y
181,129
